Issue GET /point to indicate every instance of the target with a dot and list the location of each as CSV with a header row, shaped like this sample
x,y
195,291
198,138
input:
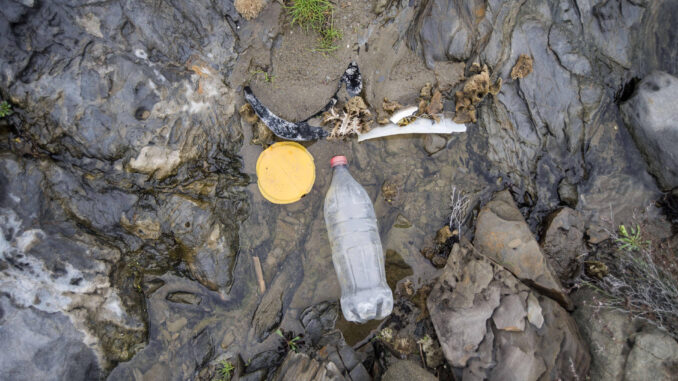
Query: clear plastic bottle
x,y
356,248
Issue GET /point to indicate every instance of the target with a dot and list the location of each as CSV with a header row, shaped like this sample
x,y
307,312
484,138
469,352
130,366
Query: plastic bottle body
x,y
356,249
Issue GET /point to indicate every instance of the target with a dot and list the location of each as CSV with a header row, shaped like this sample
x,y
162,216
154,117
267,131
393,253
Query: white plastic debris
x,y
404,113
419,126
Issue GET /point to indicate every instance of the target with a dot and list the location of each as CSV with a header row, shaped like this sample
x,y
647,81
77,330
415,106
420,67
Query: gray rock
x,y
568,193
515,365
269,311
623,347
653,357
434,143
44,346
534,315
484,349
510,316
404,370
457,312
563,242
652,118
48,266
503,235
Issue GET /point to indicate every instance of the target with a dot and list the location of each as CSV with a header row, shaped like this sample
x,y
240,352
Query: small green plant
x,y
318,16
225,370
5,109
310,14
630,239
291,343
267,77
329,37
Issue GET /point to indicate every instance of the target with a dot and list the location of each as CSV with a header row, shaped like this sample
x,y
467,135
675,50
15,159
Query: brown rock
x,y
499,225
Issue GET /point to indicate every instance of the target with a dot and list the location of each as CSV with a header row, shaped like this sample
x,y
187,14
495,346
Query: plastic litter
x,y
286,172
302,130
404,113
356,248
419,126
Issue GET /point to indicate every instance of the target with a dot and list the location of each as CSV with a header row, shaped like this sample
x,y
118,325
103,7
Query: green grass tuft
x,y
329,37
317,16
310,14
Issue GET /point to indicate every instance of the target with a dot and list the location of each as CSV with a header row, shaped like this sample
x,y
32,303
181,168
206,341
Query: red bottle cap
x,y
338,160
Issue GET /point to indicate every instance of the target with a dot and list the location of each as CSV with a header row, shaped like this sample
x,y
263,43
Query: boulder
x,y
652,118
492,326
503,235
563,242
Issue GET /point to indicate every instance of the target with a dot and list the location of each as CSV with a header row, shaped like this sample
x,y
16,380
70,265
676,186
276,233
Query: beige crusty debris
x,y
355,118
523,67
249,9
475,89
261,135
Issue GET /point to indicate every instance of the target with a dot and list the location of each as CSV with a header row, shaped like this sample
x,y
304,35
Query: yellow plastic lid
x,y
285,172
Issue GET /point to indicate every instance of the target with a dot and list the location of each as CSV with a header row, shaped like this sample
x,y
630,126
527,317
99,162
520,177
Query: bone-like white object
x,y
407,111
419,126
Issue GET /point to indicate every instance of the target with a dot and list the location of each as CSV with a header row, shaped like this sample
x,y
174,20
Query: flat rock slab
x,y
503,235
480,312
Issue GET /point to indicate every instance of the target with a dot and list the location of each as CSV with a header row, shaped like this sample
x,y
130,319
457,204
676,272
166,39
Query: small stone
x,y
184,297
402,222
568,193
534,315
434,143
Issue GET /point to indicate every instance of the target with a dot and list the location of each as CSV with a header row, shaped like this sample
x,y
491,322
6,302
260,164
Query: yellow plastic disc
x,y
285,172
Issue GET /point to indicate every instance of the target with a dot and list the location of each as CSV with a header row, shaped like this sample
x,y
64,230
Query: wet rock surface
x,y
130,214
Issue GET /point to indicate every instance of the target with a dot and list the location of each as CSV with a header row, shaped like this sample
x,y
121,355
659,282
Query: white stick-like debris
x,y
419,126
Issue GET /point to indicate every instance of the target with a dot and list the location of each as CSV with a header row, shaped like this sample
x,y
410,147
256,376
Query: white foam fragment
x,y
419,126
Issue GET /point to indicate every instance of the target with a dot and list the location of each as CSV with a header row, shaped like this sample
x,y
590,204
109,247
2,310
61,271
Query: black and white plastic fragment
x,y
302,131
